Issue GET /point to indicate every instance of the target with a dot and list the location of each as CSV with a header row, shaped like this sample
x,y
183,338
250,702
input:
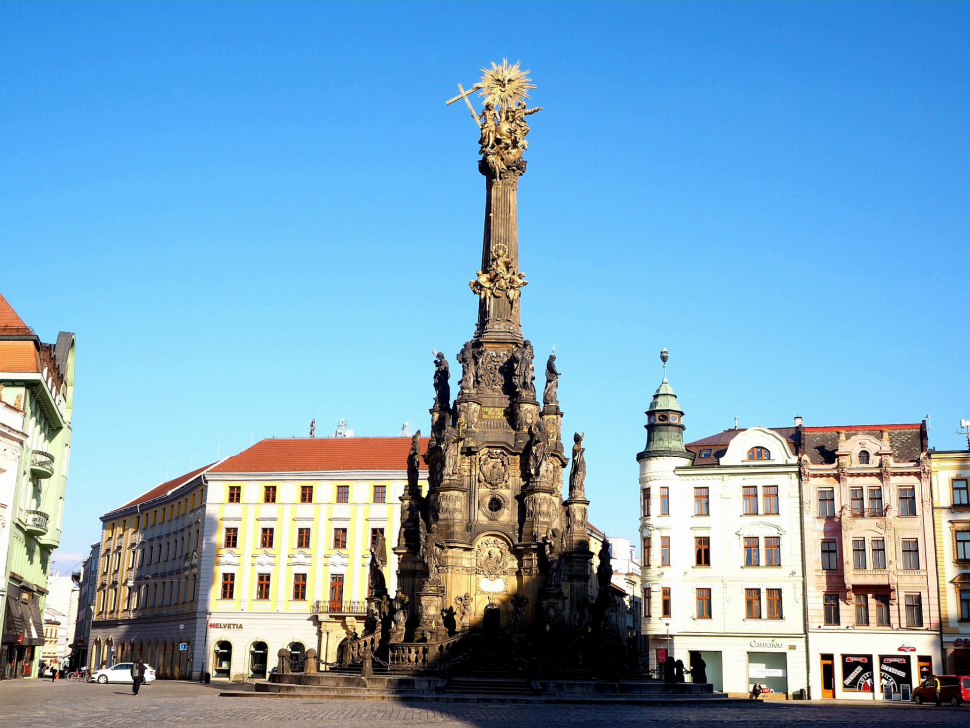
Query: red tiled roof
x,y
867,428
19,356
10,322
322,454
159,490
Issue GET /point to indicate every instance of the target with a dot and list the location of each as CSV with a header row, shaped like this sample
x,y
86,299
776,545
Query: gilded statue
x,y
501,280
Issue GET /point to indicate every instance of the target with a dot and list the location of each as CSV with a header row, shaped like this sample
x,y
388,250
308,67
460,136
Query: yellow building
x,y
218,570
951,507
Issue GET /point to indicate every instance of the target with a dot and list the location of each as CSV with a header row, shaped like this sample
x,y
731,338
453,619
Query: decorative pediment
x,y
228,558
338,560
264,559
300,558
760,528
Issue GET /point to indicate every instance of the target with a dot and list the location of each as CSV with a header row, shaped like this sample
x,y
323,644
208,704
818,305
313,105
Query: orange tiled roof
x,y
322,454
159,490
10,322
19,356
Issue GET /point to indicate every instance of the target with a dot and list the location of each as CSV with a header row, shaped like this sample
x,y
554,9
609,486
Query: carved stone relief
x,y
494,467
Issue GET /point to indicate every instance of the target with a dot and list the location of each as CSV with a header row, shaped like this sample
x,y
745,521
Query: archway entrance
x,y
222,659
297,656
492,621
257,660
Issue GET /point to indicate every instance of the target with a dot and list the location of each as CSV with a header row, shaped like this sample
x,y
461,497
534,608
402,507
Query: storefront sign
x,y
895,671
771,644
766,672
661,655
857,673
225,625
906,647
961,642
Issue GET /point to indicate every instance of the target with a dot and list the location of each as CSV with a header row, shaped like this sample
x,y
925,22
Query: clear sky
x,y
257,214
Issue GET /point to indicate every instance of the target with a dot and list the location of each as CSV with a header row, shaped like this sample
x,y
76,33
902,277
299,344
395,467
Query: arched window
x,y
863,457
759,453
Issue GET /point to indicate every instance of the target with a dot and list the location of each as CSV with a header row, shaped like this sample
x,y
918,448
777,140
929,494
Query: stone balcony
x,y
37,522
869,577
41,464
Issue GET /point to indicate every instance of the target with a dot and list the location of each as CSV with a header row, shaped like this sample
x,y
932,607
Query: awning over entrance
x,y
36,636
14,624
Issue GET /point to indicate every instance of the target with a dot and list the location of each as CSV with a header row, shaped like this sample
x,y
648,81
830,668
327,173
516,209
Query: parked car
x,y
954,689
120,673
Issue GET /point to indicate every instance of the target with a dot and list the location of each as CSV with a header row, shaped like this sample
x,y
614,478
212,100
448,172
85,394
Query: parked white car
x,y
120,673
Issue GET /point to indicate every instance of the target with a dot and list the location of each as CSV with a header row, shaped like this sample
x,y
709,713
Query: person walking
x,y
54,665
137,675
936,690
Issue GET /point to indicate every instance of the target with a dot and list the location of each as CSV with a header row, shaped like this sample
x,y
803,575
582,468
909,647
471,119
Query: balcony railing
x,y
871,577
37,521
869,512
41,464
354,608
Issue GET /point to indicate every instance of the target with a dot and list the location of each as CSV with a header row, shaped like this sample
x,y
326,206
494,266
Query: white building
x,y
12,439
722,564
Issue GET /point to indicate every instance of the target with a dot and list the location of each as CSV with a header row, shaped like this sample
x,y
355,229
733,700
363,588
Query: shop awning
x,y
36,623
14,624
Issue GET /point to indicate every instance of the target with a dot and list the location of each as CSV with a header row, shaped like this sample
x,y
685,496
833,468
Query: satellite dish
x,y
349,433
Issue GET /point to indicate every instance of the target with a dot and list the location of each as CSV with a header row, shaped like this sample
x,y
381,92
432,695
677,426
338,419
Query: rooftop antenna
x,y
664,356
965,425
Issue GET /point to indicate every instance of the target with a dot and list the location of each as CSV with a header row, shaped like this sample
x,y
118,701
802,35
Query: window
x,y
752,603
959,488
773,597
231,538
235,495
665,501
704,603
266,538
306,494
963,545
858,553
749,498
665,602
665,550
646,501
875,501
343,494
907,501
262,586
965,605
759,453
864,460
702,549
858,502
910,553
702,502
646,551
336,592
769,495
299,587
303,538
878,553
831,605
752,552
648,601
340,538
826,503
830,555
228,586
380,494
706,453
374,533
773,551
914,610
882,610
862,610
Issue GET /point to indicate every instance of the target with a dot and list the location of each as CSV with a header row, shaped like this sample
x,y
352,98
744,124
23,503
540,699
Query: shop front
x,y
769,670
22,634
957,655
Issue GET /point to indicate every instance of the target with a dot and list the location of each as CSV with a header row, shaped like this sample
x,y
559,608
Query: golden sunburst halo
x,y
505,85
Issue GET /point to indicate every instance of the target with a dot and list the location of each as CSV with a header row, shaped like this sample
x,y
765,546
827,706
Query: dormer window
x,y
705,453
759,453
863,457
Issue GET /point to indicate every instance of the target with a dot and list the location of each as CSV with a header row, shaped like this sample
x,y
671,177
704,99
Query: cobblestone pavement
x,y
29,703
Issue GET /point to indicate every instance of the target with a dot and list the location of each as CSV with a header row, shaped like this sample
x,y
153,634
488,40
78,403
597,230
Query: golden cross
x,y
464,95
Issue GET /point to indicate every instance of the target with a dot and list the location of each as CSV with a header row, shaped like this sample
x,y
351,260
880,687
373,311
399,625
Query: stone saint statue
x,y
466,357
414,461
604,572
550,394
378,585
432,546
524,371
442,388
577,474
450,448
538,448
554,546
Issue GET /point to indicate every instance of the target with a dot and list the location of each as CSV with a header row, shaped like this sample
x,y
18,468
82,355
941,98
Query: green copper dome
x,y
664,398
665,422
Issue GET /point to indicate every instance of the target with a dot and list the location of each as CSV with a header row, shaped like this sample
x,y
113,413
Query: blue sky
x,y
256,214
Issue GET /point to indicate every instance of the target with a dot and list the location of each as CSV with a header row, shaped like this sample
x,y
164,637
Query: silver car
x,y
120,673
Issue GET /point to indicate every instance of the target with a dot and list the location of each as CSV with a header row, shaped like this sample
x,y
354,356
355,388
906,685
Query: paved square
x,y
29,703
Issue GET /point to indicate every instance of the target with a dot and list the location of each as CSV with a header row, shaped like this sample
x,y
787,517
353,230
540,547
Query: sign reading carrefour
x,y
771,644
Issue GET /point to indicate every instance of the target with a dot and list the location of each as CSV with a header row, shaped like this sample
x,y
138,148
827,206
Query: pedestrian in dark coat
x,y
137,675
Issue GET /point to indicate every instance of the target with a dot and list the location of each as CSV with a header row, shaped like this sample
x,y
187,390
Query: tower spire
x,y
665,422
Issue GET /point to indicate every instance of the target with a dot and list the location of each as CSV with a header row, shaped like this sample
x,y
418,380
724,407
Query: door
x,y
925,666
336,592
492,621
828,676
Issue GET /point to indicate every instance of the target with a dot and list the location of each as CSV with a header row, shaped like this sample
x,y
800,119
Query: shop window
x,y
773,598
858,553
769,495
299,587
303,538
340,538
773,551
826,503
959,490
665,603
231,538
262,586
830,602
752,552
258,654
914,610
222,659
907,501
962,539
862,610
665,501
759,453
878,553
703,603
910,553
380,493
752,603
749,500
266,538
702,551
863,457
702,502
306,494
830,556
883,618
